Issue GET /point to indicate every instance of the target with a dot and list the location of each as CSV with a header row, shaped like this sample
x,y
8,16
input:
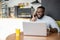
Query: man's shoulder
x,y
48,17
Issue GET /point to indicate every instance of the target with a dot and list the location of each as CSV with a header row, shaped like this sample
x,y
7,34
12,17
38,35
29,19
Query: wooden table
x,y
54,36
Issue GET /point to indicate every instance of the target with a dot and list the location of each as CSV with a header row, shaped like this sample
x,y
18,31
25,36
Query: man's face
x,y
40,12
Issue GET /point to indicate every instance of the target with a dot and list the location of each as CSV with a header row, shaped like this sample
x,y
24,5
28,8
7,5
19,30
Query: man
x,y
39,16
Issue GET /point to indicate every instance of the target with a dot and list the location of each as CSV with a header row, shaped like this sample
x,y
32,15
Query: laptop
x,y
35,29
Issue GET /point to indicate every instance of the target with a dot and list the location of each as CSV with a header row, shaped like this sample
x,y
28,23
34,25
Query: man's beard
x,y
41,16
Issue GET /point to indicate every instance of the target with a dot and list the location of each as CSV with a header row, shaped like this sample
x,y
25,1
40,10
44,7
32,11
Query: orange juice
x,y
17,34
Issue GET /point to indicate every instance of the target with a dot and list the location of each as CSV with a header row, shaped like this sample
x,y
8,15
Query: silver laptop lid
x,y
32,28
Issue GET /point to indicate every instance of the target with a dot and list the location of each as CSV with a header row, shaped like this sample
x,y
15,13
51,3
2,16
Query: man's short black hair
x,y
42,7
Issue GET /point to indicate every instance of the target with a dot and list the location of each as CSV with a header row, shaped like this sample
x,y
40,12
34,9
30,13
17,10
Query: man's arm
x,y
54,27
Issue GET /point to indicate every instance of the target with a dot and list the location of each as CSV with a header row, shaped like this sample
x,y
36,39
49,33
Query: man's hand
x,y
53,30
34,18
